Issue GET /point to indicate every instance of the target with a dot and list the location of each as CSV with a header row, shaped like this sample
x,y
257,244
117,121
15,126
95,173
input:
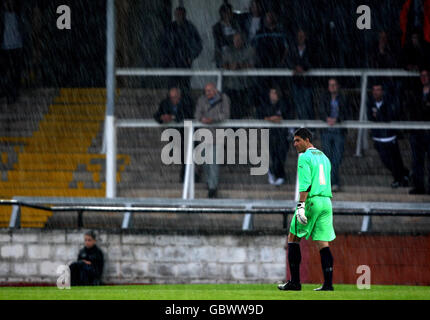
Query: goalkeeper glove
x,y
300,213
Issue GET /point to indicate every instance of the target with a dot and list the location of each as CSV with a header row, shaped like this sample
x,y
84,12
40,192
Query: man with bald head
x,y
175,107
212,107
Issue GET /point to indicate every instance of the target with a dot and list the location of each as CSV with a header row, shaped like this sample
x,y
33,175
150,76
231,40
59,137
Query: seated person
x,y
87,271
212,107
176,107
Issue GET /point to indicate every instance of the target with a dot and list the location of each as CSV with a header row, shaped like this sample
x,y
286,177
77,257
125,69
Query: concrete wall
x,y
34,255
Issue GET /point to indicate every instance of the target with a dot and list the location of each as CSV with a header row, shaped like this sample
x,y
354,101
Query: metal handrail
x,y
248,123
220,73
415,210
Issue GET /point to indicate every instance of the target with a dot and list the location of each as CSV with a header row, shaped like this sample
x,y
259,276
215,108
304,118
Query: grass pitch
x,y
214,292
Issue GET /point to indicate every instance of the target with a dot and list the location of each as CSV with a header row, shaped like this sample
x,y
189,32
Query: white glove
x,y
300,213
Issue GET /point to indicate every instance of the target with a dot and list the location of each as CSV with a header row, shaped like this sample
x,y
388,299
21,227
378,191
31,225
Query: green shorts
x,y
319,212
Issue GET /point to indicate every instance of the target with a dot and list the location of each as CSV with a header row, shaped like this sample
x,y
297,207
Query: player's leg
x,y
327,265
323,233
294,259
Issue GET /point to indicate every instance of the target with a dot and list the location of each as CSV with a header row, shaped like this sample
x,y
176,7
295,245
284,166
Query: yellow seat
x,y
47,160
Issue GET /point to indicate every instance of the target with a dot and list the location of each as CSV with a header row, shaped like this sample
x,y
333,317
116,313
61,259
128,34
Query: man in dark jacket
x,y
87,271
11,49
275,109
182,45
300,60
418,109
271,46
334,109
223,32
380,109
175,107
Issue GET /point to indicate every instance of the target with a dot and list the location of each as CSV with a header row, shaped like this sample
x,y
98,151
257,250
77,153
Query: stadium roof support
x,y
110,107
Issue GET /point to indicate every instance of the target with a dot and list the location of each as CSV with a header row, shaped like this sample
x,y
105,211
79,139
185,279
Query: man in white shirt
x,y
11,44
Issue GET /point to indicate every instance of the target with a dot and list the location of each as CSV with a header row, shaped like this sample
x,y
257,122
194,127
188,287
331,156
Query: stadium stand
x,y
53,145
50,149
365,178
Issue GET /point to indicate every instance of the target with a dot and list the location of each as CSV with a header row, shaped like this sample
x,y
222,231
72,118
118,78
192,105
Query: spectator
x,y
334,109
253,20
300,60
212,107
275,109
87,271
419,110
271,51
270,43
182,45
11,45
175,107
380,109
415,17
223,32
382,56
415,54
238,57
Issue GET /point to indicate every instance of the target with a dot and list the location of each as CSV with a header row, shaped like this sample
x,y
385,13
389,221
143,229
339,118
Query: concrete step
x,y
286,192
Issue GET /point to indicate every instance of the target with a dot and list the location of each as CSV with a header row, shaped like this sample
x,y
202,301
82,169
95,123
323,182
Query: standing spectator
x,y
382,56
300,60
415,17
334,109
271,51
182,45
223,32
87,271
253,20
275,109
415,54
212,107
271,43
419,110
380,109
175,107
238,57
11,45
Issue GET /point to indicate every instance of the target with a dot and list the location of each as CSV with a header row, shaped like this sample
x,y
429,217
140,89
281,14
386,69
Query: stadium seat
x,y
60,157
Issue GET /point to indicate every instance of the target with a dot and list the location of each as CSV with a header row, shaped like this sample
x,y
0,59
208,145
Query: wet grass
x,y
214,292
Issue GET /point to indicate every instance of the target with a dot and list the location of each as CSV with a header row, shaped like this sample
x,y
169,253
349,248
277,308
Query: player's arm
x,y
304,173
303,196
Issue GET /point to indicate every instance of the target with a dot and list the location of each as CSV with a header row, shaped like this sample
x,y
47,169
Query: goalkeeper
x,y
313,216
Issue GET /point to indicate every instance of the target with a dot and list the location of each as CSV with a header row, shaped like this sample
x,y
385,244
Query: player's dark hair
x,y
91,234
304,134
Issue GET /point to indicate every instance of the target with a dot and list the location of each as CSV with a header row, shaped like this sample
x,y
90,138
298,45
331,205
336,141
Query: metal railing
x,y
220,73
207,206
188,187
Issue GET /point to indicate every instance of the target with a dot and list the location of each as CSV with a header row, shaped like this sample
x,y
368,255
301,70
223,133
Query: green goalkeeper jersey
x,y
314,173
